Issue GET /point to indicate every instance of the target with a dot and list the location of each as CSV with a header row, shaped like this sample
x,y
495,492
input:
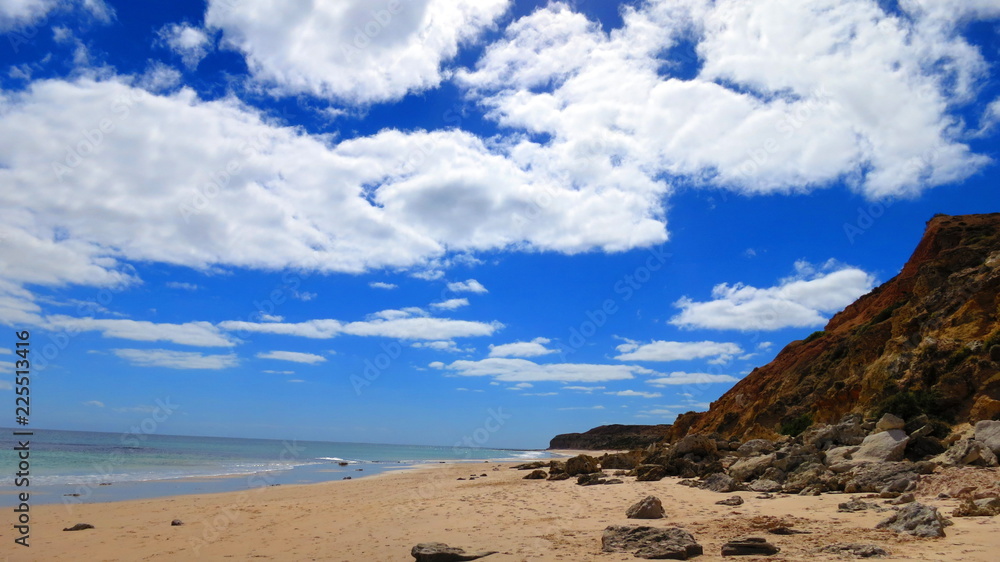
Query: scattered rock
x,y
916,519
887,446
625,461
650,542
847,432
904,499
529,466
874,477
559,476
440,552
888,422
787,531
855,550
538,474
765,485
79,527
176,523
346,478
856,505
732,501
581,464
613,481
649,507
749,546
967,452
987,507
695,444
650,472
756,448
72,495
719,482
751,468
765,496
590,479
988,433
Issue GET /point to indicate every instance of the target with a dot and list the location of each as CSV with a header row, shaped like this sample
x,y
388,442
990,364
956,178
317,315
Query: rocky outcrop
x,y
611,437
649,507
650,542
440,552
925,342
916,519
749,546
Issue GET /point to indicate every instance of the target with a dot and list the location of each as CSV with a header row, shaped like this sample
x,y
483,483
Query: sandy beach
x,y
380,518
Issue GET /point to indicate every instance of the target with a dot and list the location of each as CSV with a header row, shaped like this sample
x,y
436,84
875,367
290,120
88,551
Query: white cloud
x,y
782,101
682,378
16,14
202,334
656,412
294,356
676,350
94,403
444,345
399,324
451,304
635,393
5,351
352,50
539,394
95,158
273,372
190,43
522,370
534,348
176,359
587,389
582,408
467,286
271,318
295,380
382,285
182,286
797,301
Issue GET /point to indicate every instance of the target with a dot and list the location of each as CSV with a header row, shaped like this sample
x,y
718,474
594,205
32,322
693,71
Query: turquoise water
x,y
85,467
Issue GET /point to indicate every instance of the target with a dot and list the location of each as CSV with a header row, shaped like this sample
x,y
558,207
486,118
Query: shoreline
x,y
382,517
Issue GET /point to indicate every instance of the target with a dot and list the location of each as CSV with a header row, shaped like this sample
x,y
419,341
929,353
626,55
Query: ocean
x,y
87,467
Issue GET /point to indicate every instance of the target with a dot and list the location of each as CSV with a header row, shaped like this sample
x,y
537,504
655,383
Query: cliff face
x,y
927,341
611,437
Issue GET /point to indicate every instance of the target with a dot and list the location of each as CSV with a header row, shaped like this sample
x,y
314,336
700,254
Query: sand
x,y
380,518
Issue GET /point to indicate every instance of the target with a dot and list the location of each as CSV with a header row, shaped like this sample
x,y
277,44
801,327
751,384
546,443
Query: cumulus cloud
x,y
467,286
451,304
780,101
534,348
383,285
202,334
682,378
443,345
351,50
676,350
25,13
89,149
293,356
94,403
176,359
399,324
190,43
635,393
522,370
801,300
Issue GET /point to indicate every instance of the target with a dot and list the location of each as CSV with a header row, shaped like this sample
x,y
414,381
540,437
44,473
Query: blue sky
x,y
393,221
